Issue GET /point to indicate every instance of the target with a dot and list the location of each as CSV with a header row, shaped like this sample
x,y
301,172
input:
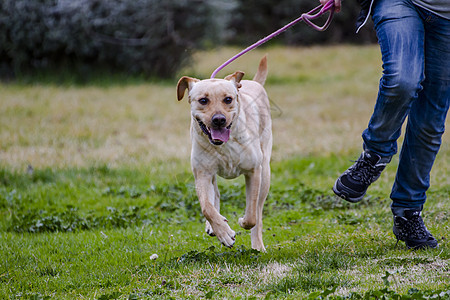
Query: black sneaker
x,y
353,183
410,228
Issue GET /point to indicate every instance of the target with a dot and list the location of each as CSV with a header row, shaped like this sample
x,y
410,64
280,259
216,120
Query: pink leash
x,y
306,17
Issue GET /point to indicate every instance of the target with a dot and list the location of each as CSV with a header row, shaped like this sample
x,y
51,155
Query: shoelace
x,y
364,171
413,228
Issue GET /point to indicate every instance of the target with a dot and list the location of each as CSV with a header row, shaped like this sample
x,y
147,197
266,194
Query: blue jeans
x,y
415,48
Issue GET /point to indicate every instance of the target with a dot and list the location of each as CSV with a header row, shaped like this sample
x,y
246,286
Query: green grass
x,y
90,233
111,186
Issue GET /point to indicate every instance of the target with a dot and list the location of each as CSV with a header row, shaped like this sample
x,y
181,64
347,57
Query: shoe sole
x,y
430,244
344,195
422,246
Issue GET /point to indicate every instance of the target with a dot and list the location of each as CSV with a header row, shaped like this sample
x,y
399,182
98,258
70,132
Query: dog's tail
x,y
261,74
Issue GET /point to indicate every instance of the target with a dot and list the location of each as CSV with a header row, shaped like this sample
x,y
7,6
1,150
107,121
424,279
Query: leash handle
x,y
306,17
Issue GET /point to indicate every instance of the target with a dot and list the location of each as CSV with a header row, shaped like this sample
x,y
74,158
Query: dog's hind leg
x,y
216,203
256,233
252,187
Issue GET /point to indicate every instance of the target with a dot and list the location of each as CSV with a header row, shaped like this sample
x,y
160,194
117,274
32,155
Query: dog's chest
x,y
234,159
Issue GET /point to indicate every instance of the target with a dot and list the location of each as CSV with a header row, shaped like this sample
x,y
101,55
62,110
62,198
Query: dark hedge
x,y
150,37
253,19
147,37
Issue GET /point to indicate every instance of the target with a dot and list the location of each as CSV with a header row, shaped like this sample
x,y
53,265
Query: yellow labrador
x,y
231,135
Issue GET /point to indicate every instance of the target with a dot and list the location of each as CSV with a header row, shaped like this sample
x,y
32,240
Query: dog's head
x,y
214,104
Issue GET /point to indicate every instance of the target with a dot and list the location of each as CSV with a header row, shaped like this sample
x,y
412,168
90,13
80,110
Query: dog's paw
x,y
228,239
245,223
209,230
225,234
260,247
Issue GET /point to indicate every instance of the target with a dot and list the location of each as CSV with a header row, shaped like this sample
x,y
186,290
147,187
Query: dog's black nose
x,y
219,120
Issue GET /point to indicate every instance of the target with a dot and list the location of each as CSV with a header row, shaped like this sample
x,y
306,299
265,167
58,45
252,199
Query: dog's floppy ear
x,y
236,77
184,83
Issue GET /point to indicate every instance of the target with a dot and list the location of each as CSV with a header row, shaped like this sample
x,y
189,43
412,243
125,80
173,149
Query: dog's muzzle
x,y
217,134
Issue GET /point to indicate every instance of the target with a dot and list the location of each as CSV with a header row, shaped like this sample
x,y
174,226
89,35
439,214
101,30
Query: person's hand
x,y
337,4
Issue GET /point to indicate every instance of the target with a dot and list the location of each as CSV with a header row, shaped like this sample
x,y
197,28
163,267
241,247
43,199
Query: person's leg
x,y
426,121
400,34
426,124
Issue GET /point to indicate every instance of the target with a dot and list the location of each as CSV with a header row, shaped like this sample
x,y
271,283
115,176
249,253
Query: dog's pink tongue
x,y
221,134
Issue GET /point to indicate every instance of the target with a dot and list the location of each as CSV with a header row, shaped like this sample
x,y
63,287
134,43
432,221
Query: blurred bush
x,y
146,37
149,37
254,19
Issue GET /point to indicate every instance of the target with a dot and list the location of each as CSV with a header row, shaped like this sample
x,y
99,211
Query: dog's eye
x,y
203,101
228,100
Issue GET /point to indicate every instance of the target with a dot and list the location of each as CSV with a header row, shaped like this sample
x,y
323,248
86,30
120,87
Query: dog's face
x,y
214,104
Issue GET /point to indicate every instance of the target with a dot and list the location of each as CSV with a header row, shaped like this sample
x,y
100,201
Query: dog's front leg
x,y
252,187
204,184
208,228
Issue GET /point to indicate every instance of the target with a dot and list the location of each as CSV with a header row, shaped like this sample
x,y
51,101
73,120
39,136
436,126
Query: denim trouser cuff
x,y
400,211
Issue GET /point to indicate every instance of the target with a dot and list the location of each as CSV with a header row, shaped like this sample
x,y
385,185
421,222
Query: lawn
x,y
97,198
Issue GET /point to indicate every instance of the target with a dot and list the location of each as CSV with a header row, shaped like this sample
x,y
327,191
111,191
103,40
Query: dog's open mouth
x,y
217,136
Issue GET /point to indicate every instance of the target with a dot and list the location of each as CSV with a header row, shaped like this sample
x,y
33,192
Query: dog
x,y
231,135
